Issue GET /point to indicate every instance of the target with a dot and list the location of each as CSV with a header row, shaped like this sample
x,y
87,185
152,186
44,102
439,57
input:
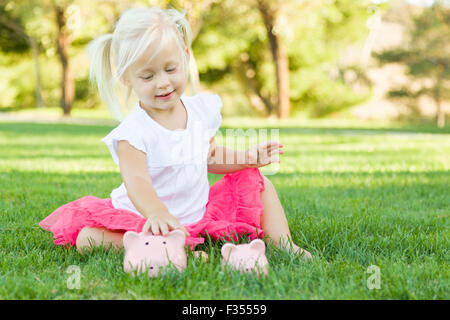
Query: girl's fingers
x,y
155,228
164,228
146,227
270,157
273,144
270,147
177,225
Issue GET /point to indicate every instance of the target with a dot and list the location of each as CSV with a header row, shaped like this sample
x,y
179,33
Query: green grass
x,y
354,197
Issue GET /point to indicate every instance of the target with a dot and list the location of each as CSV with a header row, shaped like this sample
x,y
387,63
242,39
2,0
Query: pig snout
x,y
153,271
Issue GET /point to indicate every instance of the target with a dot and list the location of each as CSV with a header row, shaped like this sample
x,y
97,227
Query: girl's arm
x,y
133,168
222,160
217,159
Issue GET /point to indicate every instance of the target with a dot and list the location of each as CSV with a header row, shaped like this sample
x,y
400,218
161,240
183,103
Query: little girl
x,y
165,147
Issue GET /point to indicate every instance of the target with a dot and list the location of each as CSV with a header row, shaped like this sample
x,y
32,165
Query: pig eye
x,y
164,242
146,243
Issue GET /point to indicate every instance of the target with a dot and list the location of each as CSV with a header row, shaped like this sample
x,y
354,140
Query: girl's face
x,y
160,83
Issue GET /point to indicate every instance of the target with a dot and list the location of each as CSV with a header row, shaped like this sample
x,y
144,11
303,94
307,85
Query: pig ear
x,y
226,250
177,236
258,245
128,238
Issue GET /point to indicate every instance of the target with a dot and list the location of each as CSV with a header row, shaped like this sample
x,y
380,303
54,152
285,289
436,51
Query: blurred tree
x,y
242,42
66,16
426,55
15,38
62,10
269,11
258,52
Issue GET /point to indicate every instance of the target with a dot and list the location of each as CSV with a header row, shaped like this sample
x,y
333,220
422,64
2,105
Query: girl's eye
x,y
170,70
147,78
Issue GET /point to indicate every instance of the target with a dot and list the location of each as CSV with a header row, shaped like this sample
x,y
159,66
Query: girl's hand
x,y
263,154
162,223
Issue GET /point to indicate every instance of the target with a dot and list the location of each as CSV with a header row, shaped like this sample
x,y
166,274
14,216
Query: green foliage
x,y
11,36
231,38
426,56
323,95
235,29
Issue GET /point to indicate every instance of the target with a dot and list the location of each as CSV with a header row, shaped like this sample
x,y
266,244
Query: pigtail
x,y
100,73
183,28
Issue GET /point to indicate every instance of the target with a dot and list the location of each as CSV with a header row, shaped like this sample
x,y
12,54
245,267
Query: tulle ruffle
x,y
67,221
234,207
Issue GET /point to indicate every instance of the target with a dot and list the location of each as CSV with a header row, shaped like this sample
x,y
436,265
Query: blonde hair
x,y
133,33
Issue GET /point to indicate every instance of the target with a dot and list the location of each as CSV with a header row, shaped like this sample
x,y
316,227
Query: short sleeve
x,y
213,103
123,132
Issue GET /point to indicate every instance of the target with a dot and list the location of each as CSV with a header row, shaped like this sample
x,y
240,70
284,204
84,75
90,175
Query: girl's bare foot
x,y
293,248
305,255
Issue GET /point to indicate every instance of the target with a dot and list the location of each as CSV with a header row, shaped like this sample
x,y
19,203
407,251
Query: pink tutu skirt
x,y
234,207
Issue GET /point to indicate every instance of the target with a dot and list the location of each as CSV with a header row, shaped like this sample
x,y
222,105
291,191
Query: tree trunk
x,y
280,58
440,114
35,54
261,104
67,83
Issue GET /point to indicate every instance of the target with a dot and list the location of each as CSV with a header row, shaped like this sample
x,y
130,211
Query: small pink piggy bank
x,y
145,251
246,257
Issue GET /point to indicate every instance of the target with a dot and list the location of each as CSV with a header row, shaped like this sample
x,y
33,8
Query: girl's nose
x,y
162,81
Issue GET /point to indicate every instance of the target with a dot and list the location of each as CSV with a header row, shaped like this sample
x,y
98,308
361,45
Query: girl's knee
x,y
87,237
90,237
267,183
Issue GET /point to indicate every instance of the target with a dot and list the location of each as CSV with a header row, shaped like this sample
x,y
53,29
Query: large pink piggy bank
x,y
246,257
145,251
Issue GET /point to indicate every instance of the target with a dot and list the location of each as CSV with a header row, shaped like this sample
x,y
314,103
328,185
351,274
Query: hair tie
x,y
179,27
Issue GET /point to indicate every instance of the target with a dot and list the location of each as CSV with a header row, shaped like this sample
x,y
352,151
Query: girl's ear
x,y
226,250
188,54
125,80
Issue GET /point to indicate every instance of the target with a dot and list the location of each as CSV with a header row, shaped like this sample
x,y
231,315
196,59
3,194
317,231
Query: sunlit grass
x,y
354,196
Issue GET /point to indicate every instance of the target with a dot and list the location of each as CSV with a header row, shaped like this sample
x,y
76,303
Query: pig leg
x,y
274,222
89,237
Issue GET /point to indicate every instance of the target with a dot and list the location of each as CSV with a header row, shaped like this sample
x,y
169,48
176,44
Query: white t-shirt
x,y
176,159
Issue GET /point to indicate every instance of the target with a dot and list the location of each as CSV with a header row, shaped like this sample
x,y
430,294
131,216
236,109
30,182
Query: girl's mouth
x,y
167,96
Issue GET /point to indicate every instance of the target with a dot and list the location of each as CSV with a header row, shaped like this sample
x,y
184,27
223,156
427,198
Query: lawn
x,y
357,198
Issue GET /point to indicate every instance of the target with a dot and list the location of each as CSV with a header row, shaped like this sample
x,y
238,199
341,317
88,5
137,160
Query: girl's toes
x,y
305,255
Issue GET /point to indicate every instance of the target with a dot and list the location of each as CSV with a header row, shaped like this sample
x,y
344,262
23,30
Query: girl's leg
x,y
274,222
89,237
